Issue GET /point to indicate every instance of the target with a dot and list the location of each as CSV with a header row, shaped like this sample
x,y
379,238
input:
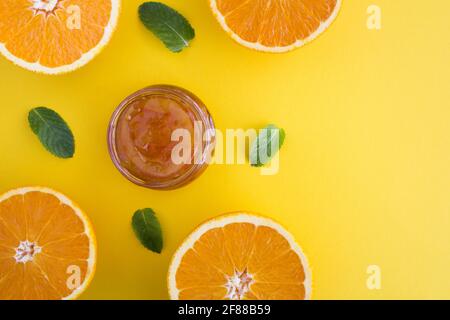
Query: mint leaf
x,y
266,145
147,229
167,24
52,131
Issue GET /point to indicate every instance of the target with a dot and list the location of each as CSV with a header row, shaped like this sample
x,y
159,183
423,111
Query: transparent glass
x,y
200,154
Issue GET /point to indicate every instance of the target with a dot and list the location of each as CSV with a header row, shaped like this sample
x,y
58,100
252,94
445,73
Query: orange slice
x,y
47,246
55,36
236,257
275,25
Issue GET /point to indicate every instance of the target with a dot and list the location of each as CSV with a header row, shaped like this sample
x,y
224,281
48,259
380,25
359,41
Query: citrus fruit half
x,y
239,256
55,36
275,25
47,246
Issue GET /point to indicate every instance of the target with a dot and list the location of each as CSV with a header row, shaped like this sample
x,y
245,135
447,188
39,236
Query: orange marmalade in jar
x,y
161,137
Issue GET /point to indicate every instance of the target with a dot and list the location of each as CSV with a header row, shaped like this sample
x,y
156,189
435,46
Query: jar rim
x,y
201,114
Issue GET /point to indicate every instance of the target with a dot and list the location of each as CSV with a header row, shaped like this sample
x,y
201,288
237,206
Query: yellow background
x,y
365,175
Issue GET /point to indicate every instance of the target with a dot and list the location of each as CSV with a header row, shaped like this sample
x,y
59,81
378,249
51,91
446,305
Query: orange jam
x,y
141,139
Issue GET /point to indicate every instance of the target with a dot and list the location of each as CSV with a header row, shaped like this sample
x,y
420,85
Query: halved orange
x,y
47,246
275,25
55,36
239,256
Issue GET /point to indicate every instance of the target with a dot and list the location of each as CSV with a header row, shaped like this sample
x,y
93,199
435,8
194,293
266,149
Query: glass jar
x,y
161,137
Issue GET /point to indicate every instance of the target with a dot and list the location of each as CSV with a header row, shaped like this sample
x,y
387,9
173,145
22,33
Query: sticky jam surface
x,y
144,136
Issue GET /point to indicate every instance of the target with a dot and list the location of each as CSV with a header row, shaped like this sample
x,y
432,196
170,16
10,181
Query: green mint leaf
x,y
147,229
266,145
52,131
167,24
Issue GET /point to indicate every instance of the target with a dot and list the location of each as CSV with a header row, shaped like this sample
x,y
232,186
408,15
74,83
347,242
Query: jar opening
x,y
153,130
